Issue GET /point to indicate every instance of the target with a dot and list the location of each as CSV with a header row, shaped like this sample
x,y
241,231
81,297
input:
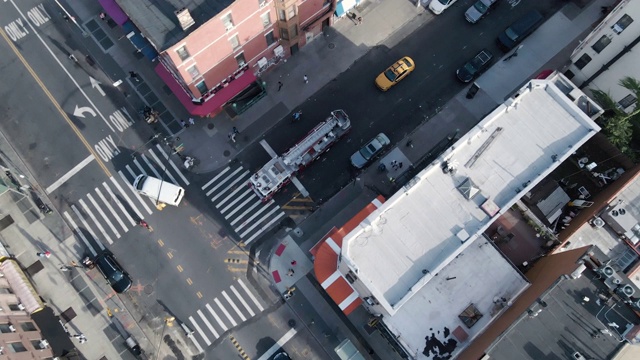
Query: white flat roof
x,y
432,316
419,230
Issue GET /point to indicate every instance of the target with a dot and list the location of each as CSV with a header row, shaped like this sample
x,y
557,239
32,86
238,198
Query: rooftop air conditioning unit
x,y
598,222
617,281
626,290
607,271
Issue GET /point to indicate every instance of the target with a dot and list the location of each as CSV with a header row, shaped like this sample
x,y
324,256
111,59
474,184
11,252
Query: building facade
x,y
609,53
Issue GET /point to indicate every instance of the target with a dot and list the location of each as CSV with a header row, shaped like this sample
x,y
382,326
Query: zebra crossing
x,y
236,305
114,207
241,207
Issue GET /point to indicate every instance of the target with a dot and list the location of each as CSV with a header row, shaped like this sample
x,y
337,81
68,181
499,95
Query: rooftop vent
x,y
597,222
626,291
185,19
607,271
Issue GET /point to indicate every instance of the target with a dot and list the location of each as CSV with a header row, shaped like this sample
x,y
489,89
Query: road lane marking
x,y
88,211
195,342
233,183
133,175
251,296
197,327
283,340
206,322
135,192
155,158
215,178
113,212
69,174
231,195
180,269
242,301
142,172
127,198
233,305
239,207
119,203
172,164
146,160
75,227
223,181
264,228
256,223
225,312
258,202
104,216
238,199
199,295
84,222
215,316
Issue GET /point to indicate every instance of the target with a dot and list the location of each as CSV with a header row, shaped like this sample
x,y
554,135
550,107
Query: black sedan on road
x,y
113,272
474,67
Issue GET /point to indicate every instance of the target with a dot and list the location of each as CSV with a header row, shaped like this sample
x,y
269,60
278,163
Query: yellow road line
x,y
179,268
54,102
199,294
170,255
160,242
189,281
287,207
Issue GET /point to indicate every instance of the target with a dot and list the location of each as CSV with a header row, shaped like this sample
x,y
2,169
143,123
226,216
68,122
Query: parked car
x,y
281,355
396,72
519,30
479,9
474,67
438,6
112,271
368,152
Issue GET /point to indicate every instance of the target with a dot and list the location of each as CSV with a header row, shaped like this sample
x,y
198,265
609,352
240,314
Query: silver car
x,y
368,152
479,9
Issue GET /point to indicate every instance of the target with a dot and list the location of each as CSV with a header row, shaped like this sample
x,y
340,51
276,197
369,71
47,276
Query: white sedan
x,y
438,6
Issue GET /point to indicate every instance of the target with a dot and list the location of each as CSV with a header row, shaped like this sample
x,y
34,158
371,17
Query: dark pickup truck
x,y
519,30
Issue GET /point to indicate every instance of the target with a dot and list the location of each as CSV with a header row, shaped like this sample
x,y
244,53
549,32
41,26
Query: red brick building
x,y
211,51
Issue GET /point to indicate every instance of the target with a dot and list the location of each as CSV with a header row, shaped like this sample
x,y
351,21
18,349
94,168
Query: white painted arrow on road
x,y
79,111
96,85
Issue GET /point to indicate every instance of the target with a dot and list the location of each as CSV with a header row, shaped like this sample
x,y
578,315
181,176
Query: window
x,y
227,20
583,61
4,328
202,87
569,74
28,326
282,16
284,33
235,42
601,44
627,101
294,31
270,38
240,59
193,71
291,12
622,24
266,19
17,347
183,53
14,307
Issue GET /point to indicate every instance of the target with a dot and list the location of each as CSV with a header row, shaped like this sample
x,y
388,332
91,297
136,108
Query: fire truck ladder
x,y
303,146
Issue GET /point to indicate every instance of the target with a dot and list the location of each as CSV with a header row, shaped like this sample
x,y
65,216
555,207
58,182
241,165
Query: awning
x,y
114,11
214,103
326,258
140,42
21,286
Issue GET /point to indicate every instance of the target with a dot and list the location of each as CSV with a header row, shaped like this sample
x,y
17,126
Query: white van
x,y
163,191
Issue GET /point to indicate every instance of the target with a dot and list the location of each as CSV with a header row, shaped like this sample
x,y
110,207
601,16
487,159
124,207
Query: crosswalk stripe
x,y
248,190
104,216
258,202
173,165
142,172
248,221
215,178
127,198
119,203
239,207
230,196
146,161
251,296
264,228
113,212
88,211
155,158
84,222
223,181
84,239
135,193
206,322
242,301
195,342
197,327
231,185
133,175
225,312
215,316
233,305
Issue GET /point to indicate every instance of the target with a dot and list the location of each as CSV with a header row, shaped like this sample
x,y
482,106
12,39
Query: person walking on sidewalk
x,y
280,85
306,79
235,130
134,76
192,121
46,254
232,136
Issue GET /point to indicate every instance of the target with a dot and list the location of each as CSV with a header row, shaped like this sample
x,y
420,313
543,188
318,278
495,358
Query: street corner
x,y
287,264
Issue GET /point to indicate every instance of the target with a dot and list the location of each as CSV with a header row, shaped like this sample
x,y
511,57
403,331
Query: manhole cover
x,y
210,126
332,45
226,153
148,289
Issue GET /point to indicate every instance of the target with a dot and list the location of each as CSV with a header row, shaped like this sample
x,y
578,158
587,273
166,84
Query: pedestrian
x,y
306,79
280,85
232,136
359,20
183,123
290,272
46,254
400,165
103,16
65,268
192,121
235,130
293,263
134,76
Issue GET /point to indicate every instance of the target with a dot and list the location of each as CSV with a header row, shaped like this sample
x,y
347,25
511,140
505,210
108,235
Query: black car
x,y
113,272
519,30
475,66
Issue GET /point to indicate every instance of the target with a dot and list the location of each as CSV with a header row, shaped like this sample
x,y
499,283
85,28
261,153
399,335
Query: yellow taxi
x,y
395,73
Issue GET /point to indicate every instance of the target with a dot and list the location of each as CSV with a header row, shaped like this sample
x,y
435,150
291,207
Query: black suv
x,y
474,67
113,272
519,30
